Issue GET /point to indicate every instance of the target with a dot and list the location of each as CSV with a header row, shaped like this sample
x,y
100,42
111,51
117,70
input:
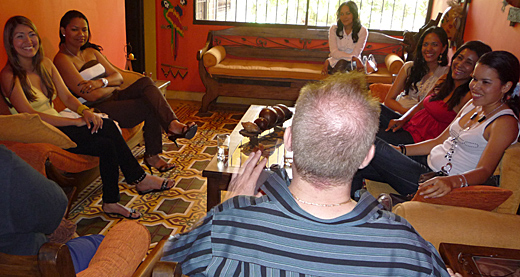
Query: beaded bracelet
x,y
81,109
403,148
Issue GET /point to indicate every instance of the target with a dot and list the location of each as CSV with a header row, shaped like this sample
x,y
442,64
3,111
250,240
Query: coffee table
x,y
218,174
470,260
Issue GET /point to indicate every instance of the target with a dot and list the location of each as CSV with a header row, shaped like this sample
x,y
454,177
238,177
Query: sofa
x,y
42,145
274,63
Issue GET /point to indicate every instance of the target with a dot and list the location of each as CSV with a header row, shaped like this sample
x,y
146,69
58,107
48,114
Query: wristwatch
x,y
105,82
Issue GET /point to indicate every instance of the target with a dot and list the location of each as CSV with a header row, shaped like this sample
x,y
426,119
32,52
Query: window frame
x,y
293,26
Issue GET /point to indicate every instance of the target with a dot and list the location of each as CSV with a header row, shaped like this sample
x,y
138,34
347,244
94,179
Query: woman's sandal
x,y
164,168
117,215
164,187
188,133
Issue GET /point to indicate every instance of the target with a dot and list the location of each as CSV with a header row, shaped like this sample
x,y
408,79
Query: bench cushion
x,y
267,69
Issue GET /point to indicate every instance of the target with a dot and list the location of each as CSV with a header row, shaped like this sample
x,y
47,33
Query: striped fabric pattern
x,y
273,236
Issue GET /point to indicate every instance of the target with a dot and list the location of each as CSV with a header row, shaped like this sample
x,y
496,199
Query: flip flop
x,y
164,187
116,215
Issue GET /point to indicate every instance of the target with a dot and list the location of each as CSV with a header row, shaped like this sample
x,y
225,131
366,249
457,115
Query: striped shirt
x,y
272,236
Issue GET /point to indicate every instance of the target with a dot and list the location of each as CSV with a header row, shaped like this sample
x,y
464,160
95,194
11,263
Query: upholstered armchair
x,y
120,253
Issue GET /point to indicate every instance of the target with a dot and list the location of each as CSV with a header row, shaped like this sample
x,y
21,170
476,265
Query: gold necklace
x,y
82,59
320,205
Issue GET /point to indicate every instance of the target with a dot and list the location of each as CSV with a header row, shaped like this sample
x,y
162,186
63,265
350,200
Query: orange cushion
x,y
380,91
120,252
29,128
476,197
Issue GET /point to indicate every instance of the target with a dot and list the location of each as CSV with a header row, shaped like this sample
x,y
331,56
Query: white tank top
x,y
470,145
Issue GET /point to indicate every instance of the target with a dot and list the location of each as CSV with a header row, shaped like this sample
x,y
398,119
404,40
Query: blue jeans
x,y
390,166
82,249
395,138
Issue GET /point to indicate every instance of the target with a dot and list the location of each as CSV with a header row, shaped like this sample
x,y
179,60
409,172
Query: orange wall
x,y
106,18
488,23
188,46
485,22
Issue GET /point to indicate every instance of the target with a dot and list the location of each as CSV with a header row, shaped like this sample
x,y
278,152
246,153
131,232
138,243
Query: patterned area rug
x,y
175,210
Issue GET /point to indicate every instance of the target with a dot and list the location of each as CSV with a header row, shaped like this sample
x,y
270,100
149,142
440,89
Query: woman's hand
x,y
395,124
439,186
86,86
93,120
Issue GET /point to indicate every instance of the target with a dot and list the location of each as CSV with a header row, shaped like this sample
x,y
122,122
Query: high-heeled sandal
x,y
188,133
164,168
370,64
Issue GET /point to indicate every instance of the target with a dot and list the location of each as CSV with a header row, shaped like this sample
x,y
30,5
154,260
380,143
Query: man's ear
x,y
369,156
287,139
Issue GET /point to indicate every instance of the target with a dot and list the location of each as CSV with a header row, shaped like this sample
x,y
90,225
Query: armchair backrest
x,y
509,170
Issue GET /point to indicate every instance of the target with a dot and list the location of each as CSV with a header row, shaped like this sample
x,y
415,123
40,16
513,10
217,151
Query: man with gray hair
x,y
309,226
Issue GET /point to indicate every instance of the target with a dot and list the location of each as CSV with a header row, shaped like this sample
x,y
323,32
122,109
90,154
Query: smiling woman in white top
x,y
347,39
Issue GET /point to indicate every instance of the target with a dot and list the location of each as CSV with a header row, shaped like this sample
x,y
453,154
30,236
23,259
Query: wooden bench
x,y
274,63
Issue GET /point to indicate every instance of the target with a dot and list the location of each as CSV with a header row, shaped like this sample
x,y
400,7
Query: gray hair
x,y
334,126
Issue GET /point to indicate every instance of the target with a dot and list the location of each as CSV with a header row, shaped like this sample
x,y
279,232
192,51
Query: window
x,y
391,15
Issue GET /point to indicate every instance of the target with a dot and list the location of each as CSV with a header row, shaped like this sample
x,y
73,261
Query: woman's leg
x,y
398,137
385,116
131,112
145,89
107,145
392,167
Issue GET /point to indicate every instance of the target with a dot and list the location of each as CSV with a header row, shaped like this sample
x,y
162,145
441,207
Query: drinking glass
x,y
223,147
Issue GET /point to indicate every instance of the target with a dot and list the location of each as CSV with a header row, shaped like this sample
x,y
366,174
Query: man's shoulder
x,y
240,202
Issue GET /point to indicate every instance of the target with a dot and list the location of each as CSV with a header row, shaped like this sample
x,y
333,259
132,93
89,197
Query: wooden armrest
x,y
207,46
54,260
147,266
167,269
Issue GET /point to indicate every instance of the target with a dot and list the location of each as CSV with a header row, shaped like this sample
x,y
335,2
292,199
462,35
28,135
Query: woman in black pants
x,y
29,83
89,75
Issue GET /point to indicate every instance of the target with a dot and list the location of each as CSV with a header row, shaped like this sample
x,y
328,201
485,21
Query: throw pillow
x,y
29,128
214,55
380,91
476,197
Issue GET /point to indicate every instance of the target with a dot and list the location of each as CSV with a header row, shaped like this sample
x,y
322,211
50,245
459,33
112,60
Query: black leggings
x,y
113,153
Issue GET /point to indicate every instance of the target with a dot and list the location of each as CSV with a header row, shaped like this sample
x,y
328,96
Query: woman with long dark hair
x,y
469,150
427,119
30,82
89,75
417,78
347,39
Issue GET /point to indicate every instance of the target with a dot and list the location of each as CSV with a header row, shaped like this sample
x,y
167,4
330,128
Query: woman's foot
x,y
154,184
178,130
115,209
157,162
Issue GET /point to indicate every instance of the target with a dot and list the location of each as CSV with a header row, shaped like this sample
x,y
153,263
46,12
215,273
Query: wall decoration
x,y
453,21
174,70
173,17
